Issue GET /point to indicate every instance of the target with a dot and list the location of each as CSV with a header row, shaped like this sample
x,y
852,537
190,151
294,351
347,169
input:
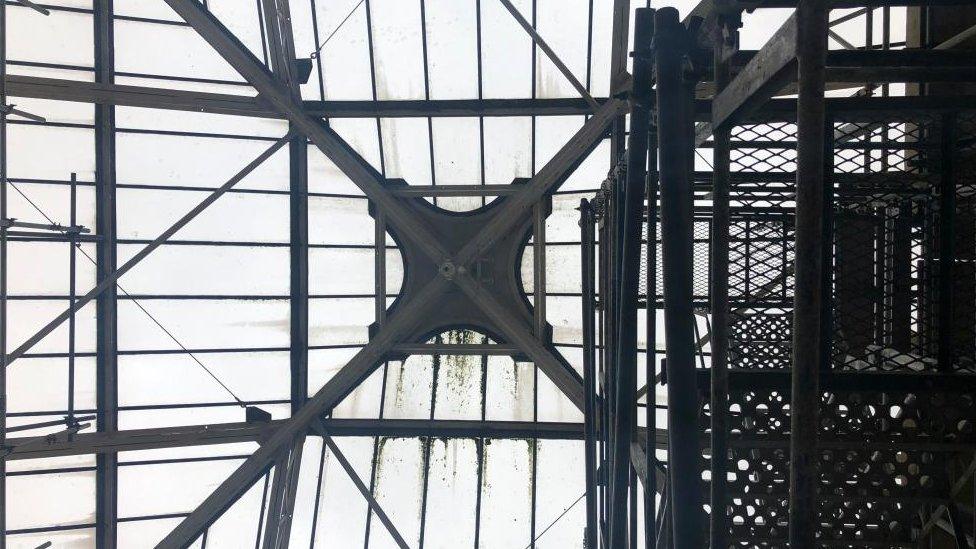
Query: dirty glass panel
x,y
188,161
397,49
398,490
560,486
452,48
508,149
408,387
459,380
506,492
452,493
66,498
406,150
510,390
507,64
365,400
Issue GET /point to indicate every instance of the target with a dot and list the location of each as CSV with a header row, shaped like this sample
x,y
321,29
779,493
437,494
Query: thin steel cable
x,y
553,523
135,301
315,53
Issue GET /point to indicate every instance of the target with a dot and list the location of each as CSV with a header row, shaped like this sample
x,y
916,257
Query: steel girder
x,y
64,444
774,67
277,532
106,315
102,93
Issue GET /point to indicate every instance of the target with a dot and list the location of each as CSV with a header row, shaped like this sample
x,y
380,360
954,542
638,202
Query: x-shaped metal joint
x,y
485,291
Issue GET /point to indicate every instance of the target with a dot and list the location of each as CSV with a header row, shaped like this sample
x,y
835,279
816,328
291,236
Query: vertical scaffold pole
x,y
719,532
675,128
811,51
588,262
631,217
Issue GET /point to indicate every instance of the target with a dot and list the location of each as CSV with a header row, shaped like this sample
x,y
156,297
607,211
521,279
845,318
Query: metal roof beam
x,y
106,314
226,433
105,93
138,439
243,105
407,224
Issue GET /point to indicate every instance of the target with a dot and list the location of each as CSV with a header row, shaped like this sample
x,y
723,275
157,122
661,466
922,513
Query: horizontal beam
x,y
243,105
135,96
450,108
226,433
916,65
240,105
773,68
455,349
138,439
420,191
453,428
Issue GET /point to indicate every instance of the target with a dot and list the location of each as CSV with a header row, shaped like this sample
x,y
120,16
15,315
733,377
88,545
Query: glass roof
x,y
204,321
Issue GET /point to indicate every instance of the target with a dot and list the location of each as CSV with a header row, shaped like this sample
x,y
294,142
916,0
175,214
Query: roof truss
x,y
278,97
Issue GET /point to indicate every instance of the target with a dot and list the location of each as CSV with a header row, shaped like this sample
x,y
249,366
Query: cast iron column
x,y
650,309
675,130
811,50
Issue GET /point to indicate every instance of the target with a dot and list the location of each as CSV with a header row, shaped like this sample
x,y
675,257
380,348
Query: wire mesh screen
x,y
761,245
902,269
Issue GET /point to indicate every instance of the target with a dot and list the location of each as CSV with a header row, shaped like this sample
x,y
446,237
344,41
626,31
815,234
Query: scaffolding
x,y
828,254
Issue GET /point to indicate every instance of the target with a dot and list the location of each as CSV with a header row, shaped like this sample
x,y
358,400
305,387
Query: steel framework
x,y
823,312
817,286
